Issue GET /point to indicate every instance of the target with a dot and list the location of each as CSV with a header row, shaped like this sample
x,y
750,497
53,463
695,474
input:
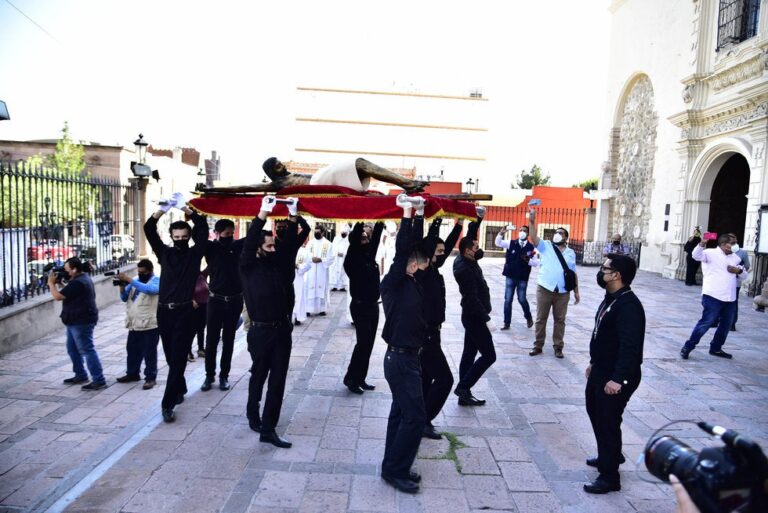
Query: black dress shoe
x,y
94,386
128,378
684,353
721,354
505,327
431,433
179,398
414,476
271,437
321,314
601,486
297,322
255,425
592,462
366,386
404,485
207,384
168,415
75,380
353,387
223,384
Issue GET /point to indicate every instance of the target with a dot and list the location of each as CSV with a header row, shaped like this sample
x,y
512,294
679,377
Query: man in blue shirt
x,y
551,292
140,295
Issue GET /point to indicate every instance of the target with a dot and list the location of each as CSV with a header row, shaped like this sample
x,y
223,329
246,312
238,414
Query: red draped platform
x,y
329,202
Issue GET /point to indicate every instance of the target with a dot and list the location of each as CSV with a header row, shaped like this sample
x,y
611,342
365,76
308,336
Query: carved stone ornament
x,y
688,93
737,122
637,149
747,70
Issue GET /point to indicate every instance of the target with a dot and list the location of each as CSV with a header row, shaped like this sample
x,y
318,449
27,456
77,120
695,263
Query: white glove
x,y
178,200
293,207
480,212
268,203
166,204
491,325
403,201
418,204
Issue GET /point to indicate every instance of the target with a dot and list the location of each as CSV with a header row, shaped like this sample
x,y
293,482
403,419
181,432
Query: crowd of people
x,y
273,280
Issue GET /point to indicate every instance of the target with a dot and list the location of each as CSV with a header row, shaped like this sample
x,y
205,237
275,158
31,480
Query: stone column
x,y
139,189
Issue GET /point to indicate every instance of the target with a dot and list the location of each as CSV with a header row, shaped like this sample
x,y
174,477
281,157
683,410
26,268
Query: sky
x,y
223,75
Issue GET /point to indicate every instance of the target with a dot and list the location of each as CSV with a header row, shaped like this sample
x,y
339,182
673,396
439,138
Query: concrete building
x,y
688,88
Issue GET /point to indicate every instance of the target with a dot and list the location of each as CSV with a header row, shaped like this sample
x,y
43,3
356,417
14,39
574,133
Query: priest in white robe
x,y
316,283
303,264
386,253
339,279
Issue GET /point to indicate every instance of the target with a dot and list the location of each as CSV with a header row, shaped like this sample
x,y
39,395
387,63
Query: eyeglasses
x,y
607,269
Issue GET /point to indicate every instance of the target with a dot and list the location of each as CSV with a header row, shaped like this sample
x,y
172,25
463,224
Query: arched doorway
x,y
728,199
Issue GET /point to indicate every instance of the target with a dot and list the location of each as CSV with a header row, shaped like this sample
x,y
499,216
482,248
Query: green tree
x,y
527,179
69,157
588,185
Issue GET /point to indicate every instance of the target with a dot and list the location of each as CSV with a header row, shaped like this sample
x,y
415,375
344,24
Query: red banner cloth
x,y
330,202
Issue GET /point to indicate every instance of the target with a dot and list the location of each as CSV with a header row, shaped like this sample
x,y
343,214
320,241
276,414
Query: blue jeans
x,y
142,345
79,346
714,309
509,294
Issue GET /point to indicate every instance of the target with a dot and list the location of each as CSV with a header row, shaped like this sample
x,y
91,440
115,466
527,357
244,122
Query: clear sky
x,y
222,75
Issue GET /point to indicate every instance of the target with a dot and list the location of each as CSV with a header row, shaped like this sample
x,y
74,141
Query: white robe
x,y
303,264
336,274
386,253
316,284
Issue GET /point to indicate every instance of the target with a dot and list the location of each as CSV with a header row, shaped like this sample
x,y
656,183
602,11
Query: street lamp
x,y
139,168
469,185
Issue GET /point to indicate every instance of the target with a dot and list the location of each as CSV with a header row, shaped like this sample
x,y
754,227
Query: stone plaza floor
x,y
64,449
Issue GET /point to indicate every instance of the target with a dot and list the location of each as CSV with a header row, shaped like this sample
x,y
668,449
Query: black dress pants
x,y
691,268
406,416
477,339
270,349
222,322
366,319
177,332
436,376
201,316
605,413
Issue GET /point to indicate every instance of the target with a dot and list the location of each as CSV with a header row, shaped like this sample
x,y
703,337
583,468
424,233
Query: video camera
x,y
115,272
61,274
718,479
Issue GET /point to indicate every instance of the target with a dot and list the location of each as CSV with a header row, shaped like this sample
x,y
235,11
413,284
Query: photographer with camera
x,y
141,295
613,374
175,314
80,315
723,272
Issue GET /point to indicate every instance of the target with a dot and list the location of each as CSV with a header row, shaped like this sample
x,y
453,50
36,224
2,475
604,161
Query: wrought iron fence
x,y
737,21
47,216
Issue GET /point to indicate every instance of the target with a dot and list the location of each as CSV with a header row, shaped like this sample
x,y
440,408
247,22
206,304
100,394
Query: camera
x,y
115,282
733,477
61,274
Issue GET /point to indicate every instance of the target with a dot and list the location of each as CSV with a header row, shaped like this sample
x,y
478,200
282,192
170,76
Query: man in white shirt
x,y
722,274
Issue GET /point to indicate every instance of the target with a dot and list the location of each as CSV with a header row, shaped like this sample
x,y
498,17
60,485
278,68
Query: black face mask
x,y
226,241
343,235
318,235
601,279
267,256
479,254
144,278
181,244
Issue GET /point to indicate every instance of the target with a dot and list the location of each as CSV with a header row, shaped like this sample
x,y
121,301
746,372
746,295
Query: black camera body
x,y
733,477
61,274
115,282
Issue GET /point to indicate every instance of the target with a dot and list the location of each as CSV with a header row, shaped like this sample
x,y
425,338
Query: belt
x,y
361,302
273,324
173,306
404,350
226,299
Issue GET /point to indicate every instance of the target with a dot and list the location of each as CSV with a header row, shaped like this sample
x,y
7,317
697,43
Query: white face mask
x,y
557,239
734,248
522,236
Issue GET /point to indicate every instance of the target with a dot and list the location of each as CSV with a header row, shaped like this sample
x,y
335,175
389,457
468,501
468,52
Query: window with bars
x,y
737,21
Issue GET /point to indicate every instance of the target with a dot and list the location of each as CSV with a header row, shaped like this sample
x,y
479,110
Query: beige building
x,y
688,88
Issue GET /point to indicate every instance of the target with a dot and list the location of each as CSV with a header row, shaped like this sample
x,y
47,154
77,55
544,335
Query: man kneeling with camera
x,y
140,295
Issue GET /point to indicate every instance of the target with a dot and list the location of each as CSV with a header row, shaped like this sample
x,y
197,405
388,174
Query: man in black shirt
x,y
175,315
225,301
404,331
363,272
266,279
476,319
613,374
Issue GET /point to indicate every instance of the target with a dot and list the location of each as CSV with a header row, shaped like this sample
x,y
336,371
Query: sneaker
x,y
94,386
559,353
684,352
721,354
128,378
534,351
75,380
505,327
150,383
530,322
201,353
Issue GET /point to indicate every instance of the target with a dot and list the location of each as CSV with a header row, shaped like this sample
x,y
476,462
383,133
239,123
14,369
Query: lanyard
x,y
602,312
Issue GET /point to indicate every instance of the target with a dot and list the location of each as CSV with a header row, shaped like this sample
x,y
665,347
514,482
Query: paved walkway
x,y
63,449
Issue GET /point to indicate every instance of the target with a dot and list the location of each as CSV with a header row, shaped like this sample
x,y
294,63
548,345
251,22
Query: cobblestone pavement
x,y
63,449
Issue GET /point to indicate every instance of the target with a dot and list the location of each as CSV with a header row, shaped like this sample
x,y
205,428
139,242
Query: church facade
x,y
688,93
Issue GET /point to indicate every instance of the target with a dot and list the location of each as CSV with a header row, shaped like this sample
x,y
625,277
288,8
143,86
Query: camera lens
x,y
667,455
